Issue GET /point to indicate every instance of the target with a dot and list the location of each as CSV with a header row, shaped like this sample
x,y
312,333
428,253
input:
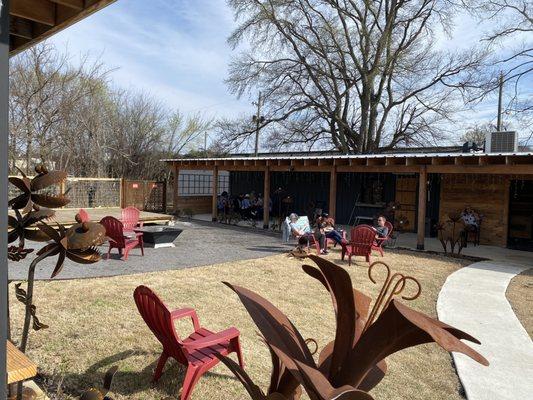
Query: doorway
x,y
520,235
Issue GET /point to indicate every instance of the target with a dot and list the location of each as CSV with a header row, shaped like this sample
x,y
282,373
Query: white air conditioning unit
x,y
501,142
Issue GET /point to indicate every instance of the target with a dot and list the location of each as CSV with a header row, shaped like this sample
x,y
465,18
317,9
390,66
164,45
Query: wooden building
x,y
427,186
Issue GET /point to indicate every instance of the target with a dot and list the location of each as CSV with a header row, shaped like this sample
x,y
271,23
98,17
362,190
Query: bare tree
x,y
511,37
70,116
359,75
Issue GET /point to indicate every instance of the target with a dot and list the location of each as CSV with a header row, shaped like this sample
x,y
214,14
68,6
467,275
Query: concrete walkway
x,y
473,299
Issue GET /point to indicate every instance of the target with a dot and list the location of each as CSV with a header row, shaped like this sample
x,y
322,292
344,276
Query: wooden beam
x,y
20,27
63,19
422,200
266,199
333,192
75,4
214,186
43,11
175,192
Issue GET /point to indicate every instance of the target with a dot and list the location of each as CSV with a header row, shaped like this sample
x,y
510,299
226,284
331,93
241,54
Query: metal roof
x,y
354,156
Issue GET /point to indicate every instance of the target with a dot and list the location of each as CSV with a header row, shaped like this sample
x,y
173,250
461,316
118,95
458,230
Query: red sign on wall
x,y
135,185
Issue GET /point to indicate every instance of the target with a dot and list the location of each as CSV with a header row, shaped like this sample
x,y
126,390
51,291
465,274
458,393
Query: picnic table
x,y
19,367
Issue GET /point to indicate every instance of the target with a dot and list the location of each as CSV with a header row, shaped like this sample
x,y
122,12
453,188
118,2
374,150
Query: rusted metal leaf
x,y
340,287
50,201
276,328
16,253
397,328
48,179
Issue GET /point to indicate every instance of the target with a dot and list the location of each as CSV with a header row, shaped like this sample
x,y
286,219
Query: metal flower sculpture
x,y
353,363
76,243
21,226
31,187
101,394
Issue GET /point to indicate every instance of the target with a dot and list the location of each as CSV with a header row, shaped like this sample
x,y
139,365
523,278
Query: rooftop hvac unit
x,y
501,142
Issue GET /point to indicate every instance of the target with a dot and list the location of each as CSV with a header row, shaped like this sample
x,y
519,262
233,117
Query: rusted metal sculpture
x,y
101,394
31,211
451,233
30,190
353,363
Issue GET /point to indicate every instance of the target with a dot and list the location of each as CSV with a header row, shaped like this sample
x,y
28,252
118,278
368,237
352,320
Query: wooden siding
x,y
197,204
488,195
406,196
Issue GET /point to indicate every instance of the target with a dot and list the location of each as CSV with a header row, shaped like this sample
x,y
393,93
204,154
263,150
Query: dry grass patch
x,y
94,324
520,295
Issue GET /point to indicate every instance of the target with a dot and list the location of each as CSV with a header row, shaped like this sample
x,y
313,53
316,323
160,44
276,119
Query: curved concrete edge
x,y
473,299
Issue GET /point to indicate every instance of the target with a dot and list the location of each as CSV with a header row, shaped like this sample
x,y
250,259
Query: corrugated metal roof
x,y
354,156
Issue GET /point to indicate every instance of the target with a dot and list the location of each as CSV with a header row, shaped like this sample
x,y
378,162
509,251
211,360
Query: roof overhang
x,y
31,21
489,163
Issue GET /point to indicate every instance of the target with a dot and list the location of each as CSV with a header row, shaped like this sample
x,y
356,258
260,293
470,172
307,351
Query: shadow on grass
x,y
130,382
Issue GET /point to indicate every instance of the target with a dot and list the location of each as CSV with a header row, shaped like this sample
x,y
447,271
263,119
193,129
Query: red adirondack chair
x,y
361,240
130,218
115,232
84,215
379,242
197,351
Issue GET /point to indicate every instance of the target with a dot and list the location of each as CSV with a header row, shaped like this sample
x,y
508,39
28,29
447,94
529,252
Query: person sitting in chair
x,y
326,224
470,218
300,228
381,229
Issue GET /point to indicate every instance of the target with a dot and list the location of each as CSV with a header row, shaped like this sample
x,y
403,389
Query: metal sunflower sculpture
x,y
30,190
354,362
78,244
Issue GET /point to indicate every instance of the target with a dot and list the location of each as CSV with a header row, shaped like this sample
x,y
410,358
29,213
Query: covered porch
x,y
428,186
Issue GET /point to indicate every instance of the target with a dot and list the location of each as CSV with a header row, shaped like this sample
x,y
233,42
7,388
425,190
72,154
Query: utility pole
x,y
258,119
205,144
500,95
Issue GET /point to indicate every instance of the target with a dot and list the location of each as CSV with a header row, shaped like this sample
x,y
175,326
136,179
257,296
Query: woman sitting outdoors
x,y
327,227
301,230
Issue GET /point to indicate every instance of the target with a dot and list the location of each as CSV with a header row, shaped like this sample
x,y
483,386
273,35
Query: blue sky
x,y
179,54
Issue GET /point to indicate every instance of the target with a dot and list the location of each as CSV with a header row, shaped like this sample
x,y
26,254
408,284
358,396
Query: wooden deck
x,y
19,367
66,216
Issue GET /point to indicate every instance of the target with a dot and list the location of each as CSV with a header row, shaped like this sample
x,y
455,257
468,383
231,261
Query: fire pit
x,y
159,236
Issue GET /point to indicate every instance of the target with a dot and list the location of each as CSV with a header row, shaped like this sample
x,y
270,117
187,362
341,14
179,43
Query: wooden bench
x,y
19,367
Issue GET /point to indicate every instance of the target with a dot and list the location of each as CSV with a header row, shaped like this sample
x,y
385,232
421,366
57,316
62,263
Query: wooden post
x,y
215,192
266,199
122,194
333,192
422,201
175,191
62,188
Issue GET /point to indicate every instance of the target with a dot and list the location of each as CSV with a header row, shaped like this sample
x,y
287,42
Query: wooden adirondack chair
x,y
130,218
84,215
197,351
379,242
115,232
361,240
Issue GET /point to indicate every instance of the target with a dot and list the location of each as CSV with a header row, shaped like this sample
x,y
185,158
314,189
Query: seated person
x,y
470,218
300,229
327,227
381,230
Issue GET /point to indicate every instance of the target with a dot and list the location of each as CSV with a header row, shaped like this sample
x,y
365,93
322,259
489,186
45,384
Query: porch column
x,y
266,199
175,191
4,129
214,186
422,200
333,192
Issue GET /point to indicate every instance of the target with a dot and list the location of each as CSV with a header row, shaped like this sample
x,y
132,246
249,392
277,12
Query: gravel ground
x,y
199,244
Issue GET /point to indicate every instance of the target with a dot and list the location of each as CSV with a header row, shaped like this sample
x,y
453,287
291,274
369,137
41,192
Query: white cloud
x,y
179,53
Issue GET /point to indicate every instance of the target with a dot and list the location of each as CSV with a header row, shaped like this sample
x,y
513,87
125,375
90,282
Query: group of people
x,y
247,206
324,228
